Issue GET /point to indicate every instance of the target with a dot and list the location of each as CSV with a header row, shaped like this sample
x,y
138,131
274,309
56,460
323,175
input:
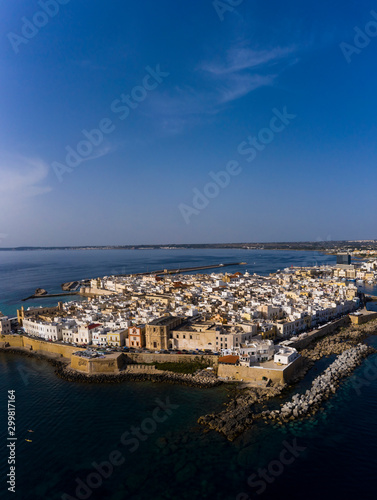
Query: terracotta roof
x,y
229,360
93,325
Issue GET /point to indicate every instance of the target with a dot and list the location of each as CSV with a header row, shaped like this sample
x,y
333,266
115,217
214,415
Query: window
x,y
154,344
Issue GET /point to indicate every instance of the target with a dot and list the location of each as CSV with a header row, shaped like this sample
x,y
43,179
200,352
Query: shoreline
x,y
63,371
240,413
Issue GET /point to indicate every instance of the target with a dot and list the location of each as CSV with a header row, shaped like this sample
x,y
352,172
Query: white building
x,y
43,329
286,355
68,333
256,352
99,337
85,333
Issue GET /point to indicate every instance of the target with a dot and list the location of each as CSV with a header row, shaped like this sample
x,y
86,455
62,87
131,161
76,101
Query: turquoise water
x,y
77,425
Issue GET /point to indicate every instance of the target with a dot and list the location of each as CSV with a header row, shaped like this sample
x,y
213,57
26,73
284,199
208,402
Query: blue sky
x,y
223,72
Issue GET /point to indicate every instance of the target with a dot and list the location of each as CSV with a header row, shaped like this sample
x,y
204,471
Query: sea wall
x,y
61,350
12,340
363,318
114,362
316,334
259,373
109,364
173,358
143,369
203,379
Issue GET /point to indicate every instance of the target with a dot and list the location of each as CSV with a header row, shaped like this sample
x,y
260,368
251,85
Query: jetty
x,y
185,269
323,386
74,285
49,295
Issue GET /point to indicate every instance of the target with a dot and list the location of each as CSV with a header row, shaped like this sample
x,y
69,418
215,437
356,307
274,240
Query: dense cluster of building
x,y
233,314
364,272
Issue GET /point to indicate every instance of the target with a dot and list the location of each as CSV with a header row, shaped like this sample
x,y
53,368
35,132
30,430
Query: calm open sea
x,y
78,427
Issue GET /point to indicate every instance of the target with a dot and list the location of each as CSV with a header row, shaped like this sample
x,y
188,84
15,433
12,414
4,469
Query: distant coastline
x,y
320,246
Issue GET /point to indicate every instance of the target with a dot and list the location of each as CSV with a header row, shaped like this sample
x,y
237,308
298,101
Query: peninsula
x,y
207,329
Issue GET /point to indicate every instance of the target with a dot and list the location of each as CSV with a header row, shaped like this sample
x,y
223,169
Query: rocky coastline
x,y
240,413
323,386
242,410
201,379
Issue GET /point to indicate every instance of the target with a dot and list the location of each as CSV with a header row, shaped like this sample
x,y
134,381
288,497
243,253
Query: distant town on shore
x,y
352,247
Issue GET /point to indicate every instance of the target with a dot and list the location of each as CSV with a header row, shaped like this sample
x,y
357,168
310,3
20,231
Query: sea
x,y
141,440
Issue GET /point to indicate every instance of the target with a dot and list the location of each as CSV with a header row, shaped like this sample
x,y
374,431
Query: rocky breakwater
x,y
323,387
238,415
336,343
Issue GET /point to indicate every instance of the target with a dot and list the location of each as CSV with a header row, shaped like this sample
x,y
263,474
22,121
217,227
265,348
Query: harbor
x,y
74,285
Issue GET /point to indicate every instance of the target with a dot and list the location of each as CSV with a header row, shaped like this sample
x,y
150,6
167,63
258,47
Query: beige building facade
x,y
158,333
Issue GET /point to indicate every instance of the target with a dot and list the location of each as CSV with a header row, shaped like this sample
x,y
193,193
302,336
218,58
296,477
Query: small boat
x,y
29,440
29,430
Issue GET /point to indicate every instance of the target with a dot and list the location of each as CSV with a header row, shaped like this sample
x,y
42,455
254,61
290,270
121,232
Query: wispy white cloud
x,y
243,58
219,82
242,70
24,176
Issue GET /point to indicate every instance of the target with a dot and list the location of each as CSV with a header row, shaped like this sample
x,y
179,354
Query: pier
x,y
163,272
184,269
49,295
